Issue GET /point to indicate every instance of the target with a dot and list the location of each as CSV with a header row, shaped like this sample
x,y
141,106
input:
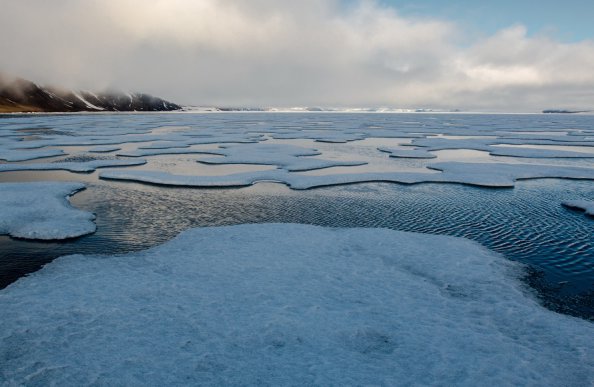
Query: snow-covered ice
x,y
586,205
19,155
408,153
104,148
72,166
478,174
289,157
42,211
166,151
282,304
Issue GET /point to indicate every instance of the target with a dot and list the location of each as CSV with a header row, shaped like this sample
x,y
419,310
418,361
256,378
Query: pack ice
x,y
284,304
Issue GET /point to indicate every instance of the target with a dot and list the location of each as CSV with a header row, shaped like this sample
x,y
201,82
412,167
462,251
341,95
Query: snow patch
x,y
87,103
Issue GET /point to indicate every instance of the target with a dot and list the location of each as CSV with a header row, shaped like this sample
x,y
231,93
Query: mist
x,y
282,53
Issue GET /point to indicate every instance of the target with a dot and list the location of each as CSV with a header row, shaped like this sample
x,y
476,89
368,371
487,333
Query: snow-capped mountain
x,y
21,95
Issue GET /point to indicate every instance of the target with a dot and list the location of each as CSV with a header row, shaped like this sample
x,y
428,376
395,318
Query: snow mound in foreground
x,y
42,211
276,304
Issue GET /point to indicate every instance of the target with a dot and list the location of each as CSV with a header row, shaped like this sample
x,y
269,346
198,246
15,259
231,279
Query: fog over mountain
x,y
286,53
21,95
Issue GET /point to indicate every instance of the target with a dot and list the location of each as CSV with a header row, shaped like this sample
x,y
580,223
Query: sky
x,y
481,56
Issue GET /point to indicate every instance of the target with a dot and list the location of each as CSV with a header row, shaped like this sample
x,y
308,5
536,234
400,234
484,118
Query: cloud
x,y
284,53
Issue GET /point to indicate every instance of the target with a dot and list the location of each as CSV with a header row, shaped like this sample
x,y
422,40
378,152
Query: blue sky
x,y
568,21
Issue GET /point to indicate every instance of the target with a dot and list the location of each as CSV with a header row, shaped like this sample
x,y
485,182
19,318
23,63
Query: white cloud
x,y
281,53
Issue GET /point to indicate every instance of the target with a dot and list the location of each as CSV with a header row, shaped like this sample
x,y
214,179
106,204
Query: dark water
x,y
525,224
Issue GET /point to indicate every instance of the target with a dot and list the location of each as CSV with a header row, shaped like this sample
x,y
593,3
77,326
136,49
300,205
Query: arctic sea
x,y
525,223
296,249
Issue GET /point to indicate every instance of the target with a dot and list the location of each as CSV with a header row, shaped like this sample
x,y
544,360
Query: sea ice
x,y
72,166
289,157
408,153
284,304
18,155
487,145
104,148
586,205
166,151
479,174
42,211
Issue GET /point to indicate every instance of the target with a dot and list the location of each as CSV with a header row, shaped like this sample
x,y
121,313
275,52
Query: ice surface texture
x,y
42,211
519,147
289,157
282,304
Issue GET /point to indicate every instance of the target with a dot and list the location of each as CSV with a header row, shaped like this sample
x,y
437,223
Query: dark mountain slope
x,y
20,95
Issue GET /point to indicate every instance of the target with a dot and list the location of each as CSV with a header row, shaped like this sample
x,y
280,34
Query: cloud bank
x,y
283,53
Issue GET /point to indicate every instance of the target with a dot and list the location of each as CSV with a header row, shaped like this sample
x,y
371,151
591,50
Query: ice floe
x,y
289,157
586,205
282,304
104,148
479,174
72,166
42,211
496,147
408,153
166,151
17,155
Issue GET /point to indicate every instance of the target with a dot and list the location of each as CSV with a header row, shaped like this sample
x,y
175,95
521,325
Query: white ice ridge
x,y
478,174
284,304
72,166
586,205
42,211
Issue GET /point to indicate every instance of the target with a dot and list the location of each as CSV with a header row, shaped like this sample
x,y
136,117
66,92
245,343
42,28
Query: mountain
x,y
565,111
21,95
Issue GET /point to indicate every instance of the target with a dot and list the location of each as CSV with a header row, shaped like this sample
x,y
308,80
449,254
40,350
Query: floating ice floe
x,y
18,155
42,211
282,304
537,153
496,147
408,153
167,151
72,166
289,157
585,205
478,174
104,149
331,136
